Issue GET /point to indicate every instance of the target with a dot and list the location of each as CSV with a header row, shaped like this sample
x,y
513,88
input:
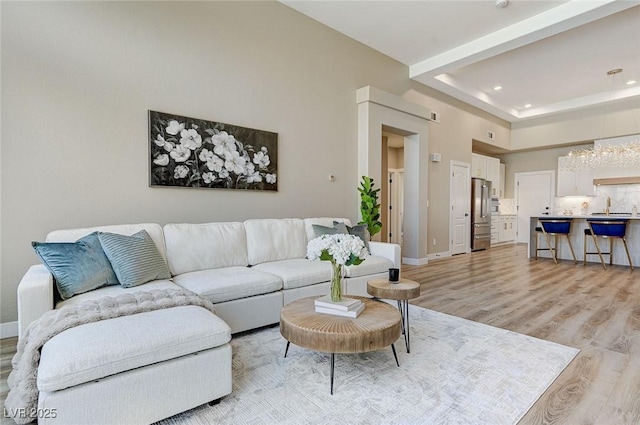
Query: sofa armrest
x,y
35,296
387,250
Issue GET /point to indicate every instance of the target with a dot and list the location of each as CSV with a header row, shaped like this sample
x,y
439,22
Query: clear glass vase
x,y
336,282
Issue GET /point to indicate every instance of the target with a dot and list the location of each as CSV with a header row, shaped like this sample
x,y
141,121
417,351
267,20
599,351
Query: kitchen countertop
x,y
609,217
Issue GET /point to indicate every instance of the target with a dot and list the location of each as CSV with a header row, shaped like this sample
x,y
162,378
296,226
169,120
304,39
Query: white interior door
x,y
396,204
392,227
460,194
534,197
400,209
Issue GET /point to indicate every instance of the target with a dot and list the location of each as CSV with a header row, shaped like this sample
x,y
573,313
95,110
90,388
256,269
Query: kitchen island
x,y
577,239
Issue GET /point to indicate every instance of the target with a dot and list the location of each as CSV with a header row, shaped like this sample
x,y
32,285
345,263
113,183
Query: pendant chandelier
x,y
623,155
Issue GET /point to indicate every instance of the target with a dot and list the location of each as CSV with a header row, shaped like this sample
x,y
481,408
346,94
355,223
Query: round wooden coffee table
x,y
402,291
378,326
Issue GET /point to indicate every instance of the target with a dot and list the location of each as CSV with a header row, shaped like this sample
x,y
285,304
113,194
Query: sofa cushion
x,y
193,247
275,239
77,267
135,259
112,291
298,272
96,350
70,235
229,283
371,265
321,221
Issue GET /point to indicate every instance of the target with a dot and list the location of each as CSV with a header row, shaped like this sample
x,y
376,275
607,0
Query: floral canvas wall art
x,y
191,152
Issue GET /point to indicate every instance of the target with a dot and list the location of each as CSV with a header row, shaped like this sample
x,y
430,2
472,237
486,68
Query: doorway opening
x,y
392,193
380,111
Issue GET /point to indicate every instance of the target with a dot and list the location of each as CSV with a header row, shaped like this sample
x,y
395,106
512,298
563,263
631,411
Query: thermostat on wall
x,y
436,157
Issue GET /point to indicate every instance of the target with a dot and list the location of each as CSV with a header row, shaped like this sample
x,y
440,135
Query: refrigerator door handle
x,y
484,198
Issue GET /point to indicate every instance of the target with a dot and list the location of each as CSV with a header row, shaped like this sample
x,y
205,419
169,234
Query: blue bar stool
x,y
607,229
554,227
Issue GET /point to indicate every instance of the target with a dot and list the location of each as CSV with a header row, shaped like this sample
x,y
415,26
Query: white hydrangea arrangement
x,y
340,249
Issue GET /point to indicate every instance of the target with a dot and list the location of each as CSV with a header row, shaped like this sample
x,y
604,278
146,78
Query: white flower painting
x,y
190,152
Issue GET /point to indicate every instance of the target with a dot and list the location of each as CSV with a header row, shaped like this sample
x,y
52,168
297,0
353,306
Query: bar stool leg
x,y
573,254
595,241
611,251
584,251
553,254
626,248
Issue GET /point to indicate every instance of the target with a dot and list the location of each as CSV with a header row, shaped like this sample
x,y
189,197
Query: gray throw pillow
x,y
135,259
359,230
77,267
338,228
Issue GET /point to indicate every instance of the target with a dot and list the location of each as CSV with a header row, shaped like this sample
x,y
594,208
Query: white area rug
x,y
458,372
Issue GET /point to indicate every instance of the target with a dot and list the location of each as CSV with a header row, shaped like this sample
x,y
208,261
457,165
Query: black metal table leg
x,y
403,306
287,349
395,355
408,338
401,315
332,365
406,319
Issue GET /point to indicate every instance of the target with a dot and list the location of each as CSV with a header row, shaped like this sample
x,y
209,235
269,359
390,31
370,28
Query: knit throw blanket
x,y
22,400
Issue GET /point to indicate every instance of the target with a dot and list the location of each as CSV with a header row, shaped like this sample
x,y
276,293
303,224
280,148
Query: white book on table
x,y
345,305
348,313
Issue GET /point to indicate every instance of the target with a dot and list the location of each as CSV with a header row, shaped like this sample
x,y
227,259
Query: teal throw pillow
x,y
77,267
135,259
359,230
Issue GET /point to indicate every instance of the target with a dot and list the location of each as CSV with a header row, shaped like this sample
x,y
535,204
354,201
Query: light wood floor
x,y
580,306
595,310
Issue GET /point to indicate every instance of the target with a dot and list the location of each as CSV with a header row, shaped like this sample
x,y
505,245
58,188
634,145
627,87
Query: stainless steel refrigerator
x,y
480,214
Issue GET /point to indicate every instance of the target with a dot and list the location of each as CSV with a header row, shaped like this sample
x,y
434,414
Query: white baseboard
x,y
8,330
415,261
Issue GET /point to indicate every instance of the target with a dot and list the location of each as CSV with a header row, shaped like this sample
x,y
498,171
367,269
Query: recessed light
x,y
497,88
631,82
528,105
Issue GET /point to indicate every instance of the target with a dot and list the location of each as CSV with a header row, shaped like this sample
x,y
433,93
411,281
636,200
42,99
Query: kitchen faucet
x,y
607,211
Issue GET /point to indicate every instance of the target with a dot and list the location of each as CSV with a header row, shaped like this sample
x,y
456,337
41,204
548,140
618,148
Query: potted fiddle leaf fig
x,y
369,206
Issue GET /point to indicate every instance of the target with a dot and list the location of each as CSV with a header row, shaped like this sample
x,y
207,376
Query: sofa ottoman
x,y
118,361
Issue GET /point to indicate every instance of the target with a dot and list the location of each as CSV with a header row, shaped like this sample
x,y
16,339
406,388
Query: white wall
x,y
79,77
612,120
535,160
452,138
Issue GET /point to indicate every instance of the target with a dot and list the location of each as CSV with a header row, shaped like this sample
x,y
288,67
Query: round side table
x,y
401,291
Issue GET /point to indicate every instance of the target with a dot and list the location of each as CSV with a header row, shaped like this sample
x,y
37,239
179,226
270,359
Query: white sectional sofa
x,y
148,366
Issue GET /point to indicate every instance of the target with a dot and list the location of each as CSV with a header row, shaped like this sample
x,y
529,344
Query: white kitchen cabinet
x,y
574,182
486,167
506,228
502,179
478,166
495,224
493,175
